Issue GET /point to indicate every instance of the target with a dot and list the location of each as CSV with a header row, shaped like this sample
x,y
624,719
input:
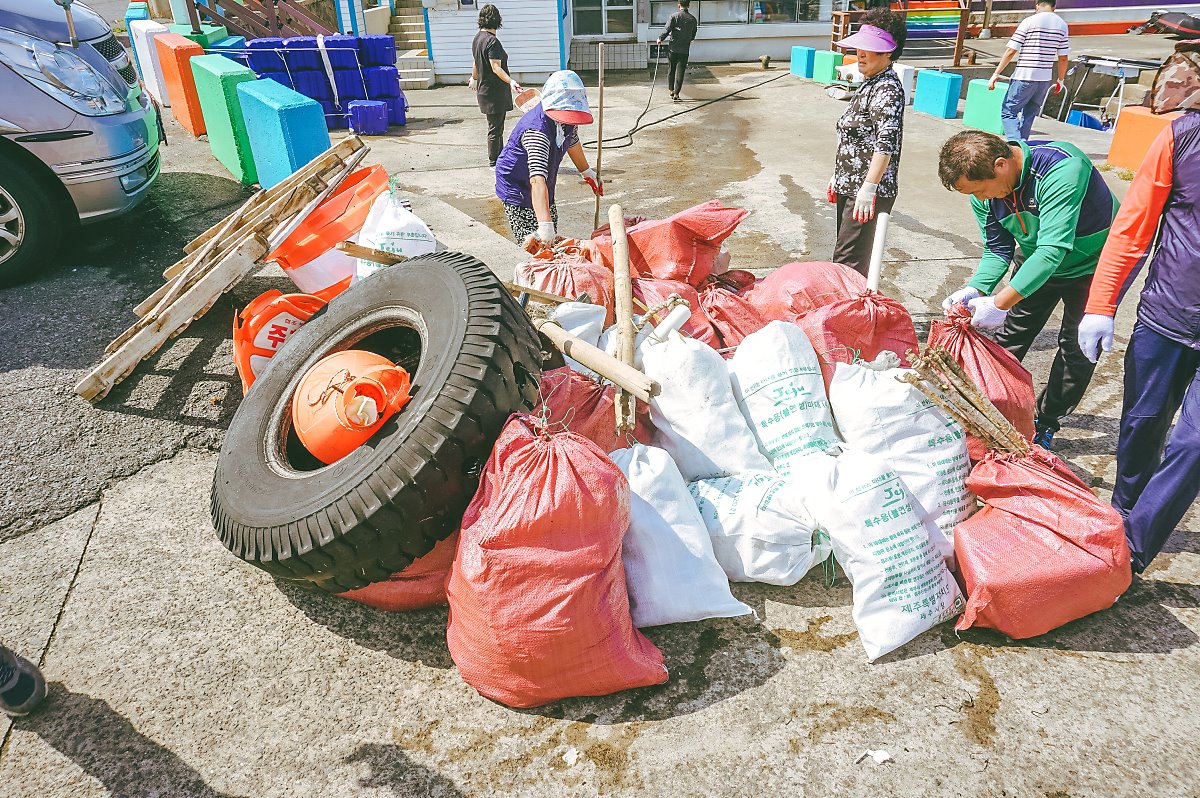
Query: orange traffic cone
x,y
344,399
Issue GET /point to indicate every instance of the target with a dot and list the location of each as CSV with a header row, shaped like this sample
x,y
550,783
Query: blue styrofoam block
x,y
286,129
335,117
312,84
377,50
232,47
264,55
136,11
349,83
397,110
937,93
300,52
368,117
802,61
279,77
342,51
382,81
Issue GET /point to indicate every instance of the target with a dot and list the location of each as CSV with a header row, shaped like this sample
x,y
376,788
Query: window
x,y
603,17
734,12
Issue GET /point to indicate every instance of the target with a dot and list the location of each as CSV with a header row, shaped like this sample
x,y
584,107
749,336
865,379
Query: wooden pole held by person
x,y
623,290
599,132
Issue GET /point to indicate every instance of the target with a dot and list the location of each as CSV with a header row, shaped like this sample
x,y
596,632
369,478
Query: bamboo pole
x,y
625,377
623,290
599,132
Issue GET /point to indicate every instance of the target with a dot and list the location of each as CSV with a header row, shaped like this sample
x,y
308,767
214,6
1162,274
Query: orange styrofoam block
x,y
1137,128
175,54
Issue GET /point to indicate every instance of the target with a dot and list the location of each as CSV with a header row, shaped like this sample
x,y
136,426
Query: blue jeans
x,y
1022,104
1156,486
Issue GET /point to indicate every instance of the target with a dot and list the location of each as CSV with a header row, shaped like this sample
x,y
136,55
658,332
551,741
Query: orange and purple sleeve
x,y
1131,238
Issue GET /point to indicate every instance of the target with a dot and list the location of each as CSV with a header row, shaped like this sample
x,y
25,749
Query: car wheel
x,y
30,223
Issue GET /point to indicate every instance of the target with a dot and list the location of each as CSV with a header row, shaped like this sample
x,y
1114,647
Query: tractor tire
x,y
474,359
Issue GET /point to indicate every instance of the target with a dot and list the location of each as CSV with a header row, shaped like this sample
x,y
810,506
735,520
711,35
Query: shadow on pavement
x,y
391,768
108,748
418,636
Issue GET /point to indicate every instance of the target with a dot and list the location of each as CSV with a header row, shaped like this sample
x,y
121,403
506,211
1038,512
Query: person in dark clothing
x,y
870,134
681,30
494,87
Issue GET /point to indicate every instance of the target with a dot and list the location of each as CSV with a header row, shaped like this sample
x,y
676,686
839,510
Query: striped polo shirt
x,y
1039,40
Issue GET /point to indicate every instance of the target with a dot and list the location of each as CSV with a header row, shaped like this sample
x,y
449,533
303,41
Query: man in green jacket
x,y
1049,200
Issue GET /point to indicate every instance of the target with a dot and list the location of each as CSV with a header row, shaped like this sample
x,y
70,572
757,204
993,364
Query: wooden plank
x,y
232,268
341,151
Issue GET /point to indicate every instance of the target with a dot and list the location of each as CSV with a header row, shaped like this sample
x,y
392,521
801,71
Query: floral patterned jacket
x,y
873,123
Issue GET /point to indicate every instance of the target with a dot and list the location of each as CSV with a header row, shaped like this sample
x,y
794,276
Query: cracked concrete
x,y
177,670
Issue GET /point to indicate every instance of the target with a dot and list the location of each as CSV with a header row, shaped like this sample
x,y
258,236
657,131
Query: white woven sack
x,y
670,569
776,378
901,584
760,529
584,320
882,416
393,228
695,415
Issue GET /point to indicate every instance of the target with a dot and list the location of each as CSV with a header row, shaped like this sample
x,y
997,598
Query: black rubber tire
x,y
368,515
43,221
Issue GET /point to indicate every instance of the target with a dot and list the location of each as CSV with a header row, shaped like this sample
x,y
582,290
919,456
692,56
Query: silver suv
x,y
78,137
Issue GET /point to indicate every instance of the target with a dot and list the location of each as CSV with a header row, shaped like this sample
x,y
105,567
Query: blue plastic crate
x,y
282,78
334,118
300,53
263,56
342,51
377,50
397,110
382,82
312,84
368,117
349,83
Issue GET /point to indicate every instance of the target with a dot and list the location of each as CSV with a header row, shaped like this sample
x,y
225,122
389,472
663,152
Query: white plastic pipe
x,y
674,320
876,267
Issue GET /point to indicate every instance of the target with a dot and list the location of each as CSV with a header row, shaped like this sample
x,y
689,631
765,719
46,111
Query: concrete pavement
x,y
177,670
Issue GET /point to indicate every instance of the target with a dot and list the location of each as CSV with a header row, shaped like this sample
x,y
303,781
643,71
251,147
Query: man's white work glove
x,y
985,315
546,232
589,177
963,295
473,84
515,88
992,81
1095,334
864,202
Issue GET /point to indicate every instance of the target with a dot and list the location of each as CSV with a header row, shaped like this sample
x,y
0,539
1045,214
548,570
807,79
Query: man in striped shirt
x,y
1039,45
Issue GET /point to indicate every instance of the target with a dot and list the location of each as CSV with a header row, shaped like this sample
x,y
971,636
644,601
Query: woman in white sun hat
x,y
527,169
870,134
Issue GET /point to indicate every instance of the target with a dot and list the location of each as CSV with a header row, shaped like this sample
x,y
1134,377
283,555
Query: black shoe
x,y
22,686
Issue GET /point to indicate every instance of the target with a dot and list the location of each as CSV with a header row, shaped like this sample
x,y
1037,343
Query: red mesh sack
x,y
564,270
422,584
630,221
683,247
793,290
587,408
653,292
858,329
1043,551
538,605
730,313
999,375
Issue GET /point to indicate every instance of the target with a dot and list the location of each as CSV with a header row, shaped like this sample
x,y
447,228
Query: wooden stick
x,y
623,376
369,253
950,409
538,296
989,409
623,295
599,132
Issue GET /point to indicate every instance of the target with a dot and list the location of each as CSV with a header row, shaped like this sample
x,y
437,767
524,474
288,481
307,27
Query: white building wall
x,y
721,43
529,34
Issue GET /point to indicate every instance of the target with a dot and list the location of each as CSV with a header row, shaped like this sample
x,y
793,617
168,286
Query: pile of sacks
x,y
756,463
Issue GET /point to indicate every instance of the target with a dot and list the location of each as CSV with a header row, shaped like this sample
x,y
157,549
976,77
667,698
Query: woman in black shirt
x,y
494,87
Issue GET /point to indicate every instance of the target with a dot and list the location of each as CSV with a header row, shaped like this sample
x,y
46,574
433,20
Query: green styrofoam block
x,y
825,64
982,109
217,79
207,35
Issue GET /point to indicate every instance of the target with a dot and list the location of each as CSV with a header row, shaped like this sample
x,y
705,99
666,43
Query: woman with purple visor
x,y
870,134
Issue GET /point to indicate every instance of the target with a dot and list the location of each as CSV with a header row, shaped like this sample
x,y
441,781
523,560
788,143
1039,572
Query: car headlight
x,y
60,73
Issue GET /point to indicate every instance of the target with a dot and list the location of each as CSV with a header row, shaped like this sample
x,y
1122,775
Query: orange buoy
x,y
266,323
344,399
